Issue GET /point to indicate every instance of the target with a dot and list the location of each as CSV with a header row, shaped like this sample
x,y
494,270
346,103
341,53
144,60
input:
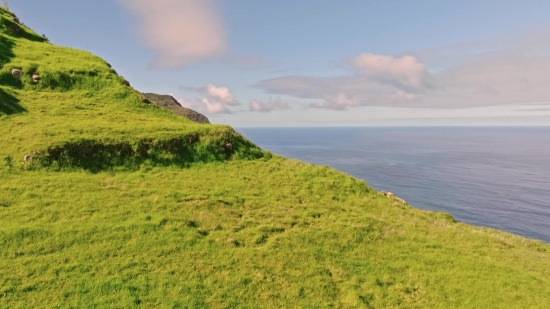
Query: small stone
x,y
16,73
228,147
35,77
28,158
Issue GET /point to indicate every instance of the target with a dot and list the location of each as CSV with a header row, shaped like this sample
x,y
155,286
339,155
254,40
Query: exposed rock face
x,y
168,102
16,73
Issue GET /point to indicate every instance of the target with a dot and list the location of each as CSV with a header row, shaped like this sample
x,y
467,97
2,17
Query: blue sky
x,y
320,62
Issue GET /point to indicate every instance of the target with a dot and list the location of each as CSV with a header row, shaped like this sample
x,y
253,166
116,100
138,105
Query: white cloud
x,y
278,103
220,93
213,107
179,31
215,99
476,74
340,102
214,93
259,106
406,70
271,104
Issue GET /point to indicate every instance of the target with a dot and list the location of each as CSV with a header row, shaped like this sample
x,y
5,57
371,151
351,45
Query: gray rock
x,y
168,102
400,200
16,73
391,195
28,158
35,77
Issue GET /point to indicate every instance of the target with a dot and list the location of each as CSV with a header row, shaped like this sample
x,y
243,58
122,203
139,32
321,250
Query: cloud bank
x,y
213,107
215,99
179,31
406,70
221,94
268,106
474,74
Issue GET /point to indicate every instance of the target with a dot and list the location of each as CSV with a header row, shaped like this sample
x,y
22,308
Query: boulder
x,y
391,195
228,147
16,73
28,158
35,77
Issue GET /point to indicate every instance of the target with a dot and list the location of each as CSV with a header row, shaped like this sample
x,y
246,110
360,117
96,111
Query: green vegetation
x,y
126,205
80,101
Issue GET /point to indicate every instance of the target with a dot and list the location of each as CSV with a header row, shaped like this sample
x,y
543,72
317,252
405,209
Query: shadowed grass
x,y
6,50
9,104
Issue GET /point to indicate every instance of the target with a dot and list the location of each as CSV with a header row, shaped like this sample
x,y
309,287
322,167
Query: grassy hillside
x,y
126,205
80,101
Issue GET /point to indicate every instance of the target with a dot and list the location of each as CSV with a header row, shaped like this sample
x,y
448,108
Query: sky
x,y
293,63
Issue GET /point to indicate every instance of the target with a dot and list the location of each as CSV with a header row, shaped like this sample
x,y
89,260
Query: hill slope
x,y
80,113
128,205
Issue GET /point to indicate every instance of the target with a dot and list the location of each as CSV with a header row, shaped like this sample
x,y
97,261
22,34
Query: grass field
x,y
129,206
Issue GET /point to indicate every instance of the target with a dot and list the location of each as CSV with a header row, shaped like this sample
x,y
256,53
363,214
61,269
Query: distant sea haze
x,y
486,176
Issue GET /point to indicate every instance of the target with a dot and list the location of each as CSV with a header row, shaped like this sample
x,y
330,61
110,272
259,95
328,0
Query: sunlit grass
x,y
79,97
271,234
127,205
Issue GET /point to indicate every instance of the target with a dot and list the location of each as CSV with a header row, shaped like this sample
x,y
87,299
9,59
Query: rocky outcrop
x,y
168,102
392,196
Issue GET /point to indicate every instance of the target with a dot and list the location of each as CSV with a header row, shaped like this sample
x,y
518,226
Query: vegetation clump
x,y
110,201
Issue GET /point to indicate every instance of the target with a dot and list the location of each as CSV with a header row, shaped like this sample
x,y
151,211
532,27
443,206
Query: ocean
x,y
485,176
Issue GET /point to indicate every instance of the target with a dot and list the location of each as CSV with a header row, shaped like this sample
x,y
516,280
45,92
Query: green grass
x,y
129,206
80,100
248,234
